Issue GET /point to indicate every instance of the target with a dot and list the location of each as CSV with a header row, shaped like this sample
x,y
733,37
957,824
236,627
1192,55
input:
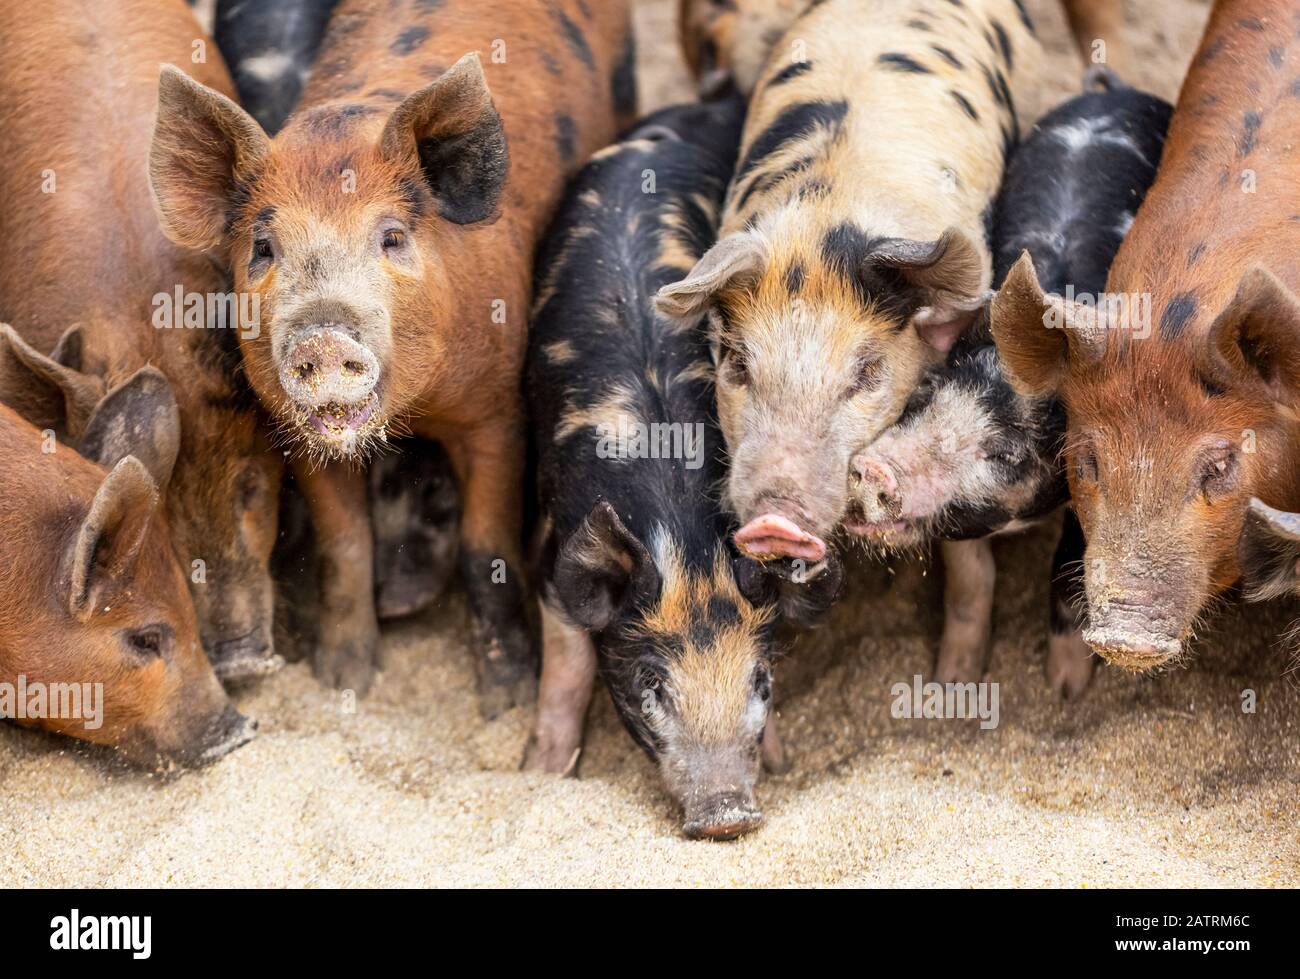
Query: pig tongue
x,y
774,536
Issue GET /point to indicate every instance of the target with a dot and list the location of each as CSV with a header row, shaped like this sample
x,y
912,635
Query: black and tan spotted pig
x,y
638,580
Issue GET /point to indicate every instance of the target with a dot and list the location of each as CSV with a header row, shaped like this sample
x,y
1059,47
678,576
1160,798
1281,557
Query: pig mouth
x,y
1132,652
725,817
337,421
772,536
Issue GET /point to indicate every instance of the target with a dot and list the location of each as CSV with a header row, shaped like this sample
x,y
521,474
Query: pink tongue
x,y
774,536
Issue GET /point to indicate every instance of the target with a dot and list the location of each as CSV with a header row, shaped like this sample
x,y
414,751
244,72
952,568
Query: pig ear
x,y
949,271
599,567
139,418
204,148
732,257
41,389
802,593
1268,552
108,542
1257,336
1036,332
451,128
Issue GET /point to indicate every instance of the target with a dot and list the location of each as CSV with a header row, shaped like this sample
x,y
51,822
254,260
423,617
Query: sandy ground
x,y
1148,781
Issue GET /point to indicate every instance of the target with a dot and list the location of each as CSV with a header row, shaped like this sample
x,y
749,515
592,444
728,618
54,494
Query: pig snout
x,y
229,731
774,535
1132,636
244,657
326,366
724,816
877,488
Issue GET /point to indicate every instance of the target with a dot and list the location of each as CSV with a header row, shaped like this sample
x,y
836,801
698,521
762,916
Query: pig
x,y
1180,388
270,46
415,516
90,588
1269,552
638,582
971,458
74,171
388,232
727,42
852,252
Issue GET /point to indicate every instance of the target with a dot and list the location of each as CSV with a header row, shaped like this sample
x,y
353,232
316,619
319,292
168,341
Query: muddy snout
x,y
244,657
326,366
1134,637
876,489
229,731
724,816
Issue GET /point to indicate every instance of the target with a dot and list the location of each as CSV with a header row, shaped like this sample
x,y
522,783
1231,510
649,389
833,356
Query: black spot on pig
x,y
575,39
1194,253
336,121
947,55
902,62
1004,44
1024,16
409,40
1252,24
790,71
566,136
1276,56
1211,51
1249,132
966,107
428,6
919,25
551,64
1180,309
794,278
796,122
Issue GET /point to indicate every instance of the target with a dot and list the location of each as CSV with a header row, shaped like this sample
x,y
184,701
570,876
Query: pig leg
x,y
773,751
568,678
969,574
489,466
1069,658
1093,20
349,631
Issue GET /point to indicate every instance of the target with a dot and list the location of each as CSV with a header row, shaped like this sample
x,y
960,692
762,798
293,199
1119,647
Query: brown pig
x,y
78,211
388,231
98,637
1180,384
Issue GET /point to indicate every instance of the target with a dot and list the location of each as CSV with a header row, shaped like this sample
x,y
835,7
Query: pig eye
x,y
763,684
149,642
262,251
870,373
1085,464
1217,471
734,368
393,239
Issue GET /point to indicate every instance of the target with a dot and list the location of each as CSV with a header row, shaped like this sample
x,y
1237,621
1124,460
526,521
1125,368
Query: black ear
x,y
139,417
452,129
599,567
1268,552
803,593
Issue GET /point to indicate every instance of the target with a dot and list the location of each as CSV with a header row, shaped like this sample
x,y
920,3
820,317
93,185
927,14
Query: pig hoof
x,y
1069,665
552,759
960,663
347,665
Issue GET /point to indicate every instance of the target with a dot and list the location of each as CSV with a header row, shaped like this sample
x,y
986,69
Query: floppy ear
x,y
599,567
949,272
107,545
1268,552
41,389
137,418
803,594
732,257
1037,332
452,130
1257,336
204,147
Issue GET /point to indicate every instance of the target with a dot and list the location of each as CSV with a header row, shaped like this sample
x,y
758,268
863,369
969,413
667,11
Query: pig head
x,y
1167,441
817,353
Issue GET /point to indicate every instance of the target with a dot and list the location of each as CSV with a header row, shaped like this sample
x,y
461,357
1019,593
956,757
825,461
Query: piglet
x,y
970,457
639,583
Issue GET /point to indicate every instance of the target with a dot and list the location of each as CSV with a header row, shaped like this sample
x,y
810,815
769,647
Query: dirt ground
x,y
1160,781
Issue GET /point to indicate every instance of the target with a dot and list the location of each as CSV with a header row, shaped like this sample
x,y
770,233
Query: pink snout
x,y
773,536
326,366
877,490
